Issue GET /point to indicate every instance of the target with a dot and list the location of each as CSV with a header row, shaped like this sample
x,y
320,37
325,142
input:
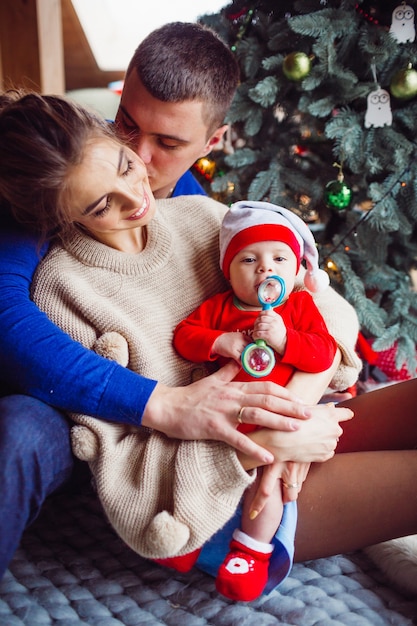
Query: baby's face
x,y
252,265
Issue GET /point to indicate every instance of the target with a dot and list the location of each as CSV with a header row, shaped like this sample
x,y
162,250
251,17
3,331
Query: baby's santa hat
x,y
247,222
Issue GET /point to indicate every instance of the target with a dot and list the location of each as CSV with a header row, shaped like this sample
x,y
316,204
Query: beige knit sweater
x,y
164,497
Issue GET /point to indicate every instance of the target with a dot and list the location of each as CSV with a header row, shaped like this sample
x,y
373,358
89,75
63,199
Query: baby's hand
x,y
230,345
270,327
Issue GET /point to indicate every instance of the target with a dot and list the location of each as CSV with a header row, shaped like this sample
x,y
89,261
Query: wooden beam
x,y
31,45
81,69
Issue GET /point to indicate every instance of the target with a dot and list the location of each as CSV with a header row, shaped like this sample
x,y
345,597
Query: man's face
x,y
169,137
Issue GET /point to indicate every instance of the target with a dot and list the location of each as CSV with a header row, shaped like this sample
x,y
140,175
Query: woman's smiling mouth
x,y
139,213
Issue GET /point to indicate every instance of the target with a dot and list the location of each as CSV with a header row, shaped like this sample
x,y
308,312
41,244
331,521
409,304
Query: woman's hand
x,y
314,441
210,408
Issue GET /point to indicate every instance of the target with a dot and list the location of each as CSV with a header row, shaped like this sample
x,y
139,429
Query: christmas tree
x,y
324,123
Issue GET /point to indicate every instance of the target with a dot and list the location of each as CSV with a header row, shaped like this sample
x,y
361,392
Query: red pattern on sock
x,y
243,574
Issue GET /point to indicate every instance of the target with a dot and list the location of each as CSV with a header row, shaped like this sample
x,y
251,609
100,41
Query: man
x,y
178,88
36,359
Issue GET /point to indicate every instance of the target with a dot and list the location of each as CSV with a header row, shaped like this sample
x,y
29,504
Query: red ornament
x,y
386,363
236,16
383,360
301,150
367,16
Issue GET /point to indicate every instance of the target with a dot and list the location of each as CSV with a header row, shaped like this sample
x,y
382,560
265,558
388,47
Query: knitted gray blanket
x,y
72,570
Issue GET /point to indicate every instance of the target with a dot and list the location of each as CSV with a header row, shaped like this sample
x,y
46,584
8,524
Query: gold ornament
x,y
296,66
333,271
206,167
404,84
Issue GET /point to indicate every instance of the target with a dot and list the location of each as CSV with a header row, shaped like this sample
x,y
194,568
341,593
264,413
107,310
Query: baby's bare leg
x,y
265,525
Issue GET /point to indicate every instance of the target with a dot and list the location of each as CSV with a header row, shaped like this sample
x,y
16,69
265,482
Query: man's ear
x,y
215,139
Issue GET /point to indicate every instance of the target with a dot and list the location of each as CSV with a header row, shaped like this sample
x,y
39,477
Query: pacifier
x,y
258,359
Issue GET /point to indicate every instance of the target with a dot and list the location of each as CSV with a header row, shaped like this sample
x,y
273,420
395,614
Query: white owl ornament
x,y
402,26
379,112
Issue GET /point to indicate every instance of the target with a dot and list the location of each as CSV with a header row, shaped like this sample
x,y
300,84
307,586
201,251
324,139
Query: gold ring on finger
x,y
239,416
291,485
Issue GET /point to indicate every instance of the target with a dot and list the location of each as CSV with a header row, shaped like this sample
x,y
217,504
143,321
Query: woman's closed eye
x,y
129,168
102,212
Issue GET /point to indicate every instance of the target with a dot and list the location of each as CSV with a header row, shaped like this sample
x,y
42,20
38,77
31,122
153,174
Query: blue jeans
x,y
35,460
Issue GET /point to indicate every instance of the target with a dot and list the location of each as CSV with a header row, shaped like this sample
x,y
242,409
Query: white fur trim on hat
x,y
245,214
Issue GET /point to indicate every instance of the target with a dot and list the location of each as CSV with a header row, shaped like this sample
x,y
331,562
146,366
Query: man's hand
x,y
315,440
291,477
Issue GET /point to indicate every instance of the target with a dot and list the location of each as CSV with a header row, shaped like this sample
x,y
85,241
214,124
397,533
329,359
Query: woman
x,y
53,370
84,204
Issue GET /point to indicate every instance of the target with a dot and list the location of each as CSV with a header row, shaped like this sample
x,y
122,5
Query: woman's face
x,y
110,194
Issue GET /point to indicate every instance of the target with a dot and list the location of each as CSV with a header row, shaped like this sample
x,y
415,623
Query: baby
x,y
259,240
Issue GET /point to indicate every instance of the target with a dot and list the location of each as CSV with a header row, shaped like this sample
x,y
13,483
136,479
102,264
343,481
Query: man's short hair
x,y
188,61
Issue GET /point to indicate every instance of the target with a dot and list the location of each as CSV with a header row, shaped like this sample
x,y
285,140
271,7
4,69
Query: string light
x,y
243,28
331,266
367,16
353,230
